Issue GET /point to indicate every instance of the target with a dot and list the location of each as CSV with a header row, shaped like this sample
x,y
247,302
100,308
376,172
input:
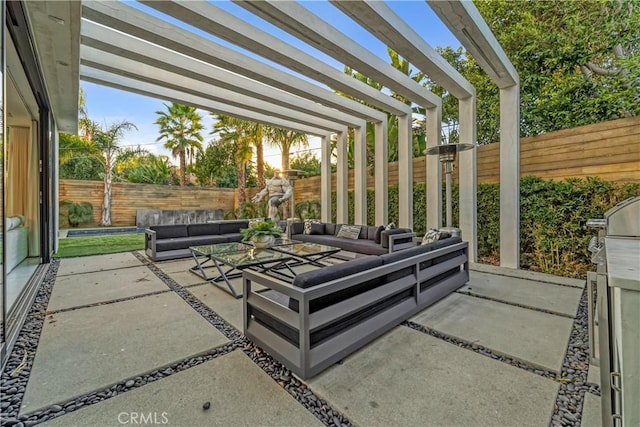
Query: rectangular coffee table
x,y
235,256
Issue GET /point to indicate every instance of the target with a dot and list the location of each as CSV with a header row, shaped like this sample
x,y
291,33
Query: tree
x,y
234,130
578,63
148,169
286,140
103,147
77,166
180,126
308,163
216,165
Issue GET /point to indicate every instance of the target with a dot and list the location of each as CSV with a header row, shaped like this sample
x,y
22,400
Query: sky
x,y
106,105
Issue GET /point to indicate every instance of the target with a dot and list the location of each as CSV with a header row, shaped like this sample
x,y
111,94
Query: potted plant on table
x,y
261,233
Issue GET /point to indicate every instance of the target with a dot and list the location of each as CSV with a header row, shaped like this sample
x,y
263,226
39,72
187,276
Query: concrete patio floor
x,y
115,340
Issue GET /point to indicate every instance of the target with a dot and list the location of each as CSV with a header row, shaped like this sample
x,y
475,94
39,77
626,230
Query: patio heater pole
x,y
447,155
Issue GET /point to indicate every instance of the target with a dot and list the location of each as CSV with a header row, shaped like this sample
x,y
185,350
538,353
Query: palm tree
x,y
180,125
285,140
103,147
234,130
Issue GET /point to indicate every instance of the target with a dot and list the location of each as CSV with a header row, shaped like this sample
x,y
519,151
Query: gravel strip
x,y
15,375
113,301
528,307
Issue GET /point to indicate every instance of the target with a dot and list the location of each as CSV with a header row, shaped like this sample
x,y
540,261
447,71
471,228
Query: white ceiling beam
x,y
465,22
108,62
158,92
124,45
214,20
381,21
299,21
139,24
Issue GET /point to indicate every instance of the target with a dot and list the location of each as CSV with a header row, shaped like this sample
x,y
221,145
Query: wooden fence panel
x,y
128,198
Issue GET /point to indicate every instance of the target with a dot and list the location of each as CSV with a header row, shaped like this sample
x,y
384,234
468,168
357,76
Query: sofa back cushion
x,y
330,228
420,249
297,228
364,232
203,229
227,227
373,233
170,231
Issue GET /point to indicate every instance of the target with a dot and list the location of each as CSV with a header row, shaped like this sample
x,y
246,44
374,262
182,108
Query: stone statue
x,y
279,191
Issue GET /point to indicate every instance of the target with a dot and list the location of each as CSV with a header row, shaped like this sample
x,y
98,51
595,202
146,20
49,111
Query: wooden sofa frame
x,y
307,361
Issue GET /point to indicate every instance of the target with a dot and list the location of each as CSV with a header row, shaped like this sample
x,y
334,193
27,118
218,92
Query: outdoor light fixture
x,y
447,155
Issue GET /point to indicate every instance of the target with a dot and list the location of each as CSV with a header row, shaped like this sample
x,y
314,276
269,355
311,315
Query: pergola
x,y
126,48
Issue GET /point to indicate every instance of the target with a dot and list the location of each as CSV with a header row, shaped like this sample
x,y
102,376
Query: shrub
x,y
76,212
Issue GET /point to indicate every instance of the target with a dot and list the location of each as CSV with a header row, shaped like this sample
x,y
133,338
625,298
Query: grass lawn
x,y
98,245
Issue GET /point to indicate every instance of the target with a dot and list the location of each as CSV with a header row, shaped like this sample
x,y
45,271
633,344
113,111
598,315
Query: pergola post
x,y
405,172
360,175
381,171
342,197
434,170
325,179
510,176
468,179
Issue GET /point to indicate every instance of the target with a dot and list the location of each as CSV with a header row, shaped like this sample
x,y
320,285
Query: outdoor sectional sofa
x,y
324,315
164,242
372,240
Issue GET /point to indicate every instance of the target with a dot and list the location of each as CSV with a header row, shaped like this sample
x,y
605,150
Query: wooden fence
x,y
128,198
609,150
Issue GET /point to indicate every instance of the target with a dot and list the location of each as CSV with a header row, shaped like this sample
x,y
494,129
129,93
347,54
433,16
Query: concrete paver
x,y
223,303
407,378
537,338
91,348
594,375
591,411
557,299
241,394
97,263
527,274
101,286
176,266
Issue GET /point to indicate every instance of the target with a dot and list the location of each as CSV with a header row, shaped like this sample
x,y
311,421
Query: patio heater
x,y
447,155
292,175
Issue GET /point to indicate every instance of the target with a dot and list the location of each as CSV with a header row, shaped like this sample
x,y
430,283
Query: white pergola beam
x,y
214,20
143,72
434,171
144,26
300,22
360,175
405,172
342,180
468,176
154,91
381,21
126,46
381,173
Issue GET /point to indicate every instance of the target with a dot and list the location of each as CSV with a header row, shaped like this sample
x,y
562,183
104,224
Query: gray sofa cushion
x,y
332,272
330,228
227,227
364,232
372,230
317,228
185,242
203,229
297,228
408,253
170,231
233,237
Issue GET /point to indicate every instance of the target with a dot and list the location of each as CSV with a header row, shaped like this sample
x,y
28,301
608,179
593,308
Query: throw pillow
x,y
349,231
317,228
391,226
431,236
379,231
307,225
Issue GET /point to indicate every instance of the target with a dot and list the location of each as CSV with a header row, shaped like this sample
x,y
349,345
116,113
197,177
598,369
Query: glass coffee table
x,y
227,257
307,253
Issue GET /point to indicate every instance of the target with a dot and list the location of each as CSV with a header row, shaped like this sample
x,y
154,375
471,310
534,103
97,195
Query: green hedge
x,y
553,216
